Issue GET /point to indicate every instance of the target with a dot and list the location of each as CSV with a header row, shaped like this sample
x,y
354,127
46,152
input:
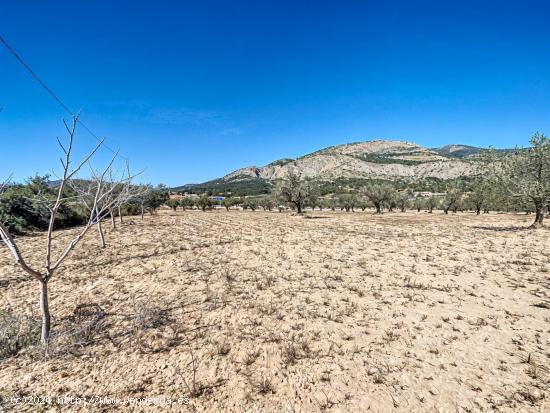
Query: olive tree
x,y
479,197
267,203
204,202
250,203
419,203
525,175
431,203
379,195
403,200
452,198
186,202
348,202
296,191
154,198
228,203
172,203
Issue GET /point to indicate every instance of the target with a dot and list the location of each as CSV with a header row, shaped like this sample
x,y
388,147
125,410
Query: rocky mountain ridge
x,y
377,159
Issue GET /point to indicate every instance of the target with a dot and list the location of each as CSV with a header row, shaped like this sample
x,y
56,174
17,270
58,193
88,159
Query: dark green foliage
x,y
172,203
461,152
281,162
380,196
348,202
387,159
251,204
155,197
297,192
267,203
205,203
24,207
240,186
231,202
525,175
186,202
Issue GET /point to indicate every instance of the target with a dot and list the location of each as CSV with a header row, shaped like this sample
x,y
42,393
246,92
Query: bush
x,y
17,332
24,207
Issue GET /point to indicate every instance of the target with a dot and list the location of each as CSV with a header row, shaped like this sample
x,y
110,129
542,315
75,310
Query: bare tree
x,y
113,189
98,210
4,184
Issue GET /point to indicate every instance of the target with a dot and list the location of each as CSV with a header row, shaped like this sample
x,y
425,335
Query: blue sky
x,y
193,90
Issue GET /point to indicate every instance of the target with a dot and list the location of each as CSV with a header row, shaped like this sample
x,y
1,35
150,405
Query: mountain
x,y
459,151
370,160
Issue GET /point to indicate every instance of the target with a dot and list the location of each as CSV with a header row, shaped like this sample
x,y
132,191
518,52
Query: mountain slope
x,y
372,159
377,159
459,151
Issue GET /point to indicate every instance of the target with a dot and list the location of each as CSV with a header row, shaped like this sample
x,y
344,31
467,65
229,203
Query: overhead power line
x,y
53,95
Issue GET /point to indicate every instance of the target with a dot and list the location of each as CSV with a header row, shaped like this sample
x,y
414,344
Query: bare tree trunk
x,y
120,213
142,212
45,309
113,223
101,236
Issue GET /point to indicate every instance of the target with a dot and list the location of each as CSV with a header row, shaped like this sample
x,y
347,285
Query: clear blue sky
x,y
193,90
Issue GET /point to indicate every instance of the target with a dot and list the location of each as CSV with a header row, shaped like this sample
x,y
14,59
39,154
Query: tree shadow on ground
x,y
511,228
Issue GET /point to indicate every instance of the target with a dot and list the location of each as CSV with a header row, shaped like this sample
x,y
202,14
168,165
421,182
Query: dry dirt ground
x,y
254,311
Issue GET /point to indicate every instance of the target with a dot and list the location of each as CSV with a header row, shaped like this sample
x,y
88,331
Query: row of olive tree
x,y
517,181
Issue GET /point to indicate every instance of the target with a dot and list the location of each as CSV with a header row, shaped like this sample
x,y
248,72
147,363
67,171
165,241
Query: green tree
x,y
204,202
419,203
348,202
403,200
172,203
186,202
251,204
480,197
379,195
525,175
228,203
155,197
267,203
452,198
431,203
297,191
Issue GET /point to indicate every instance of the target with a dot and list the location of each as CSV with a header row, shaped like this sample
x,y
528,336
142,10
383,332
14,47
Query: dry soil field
x,y
254,311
